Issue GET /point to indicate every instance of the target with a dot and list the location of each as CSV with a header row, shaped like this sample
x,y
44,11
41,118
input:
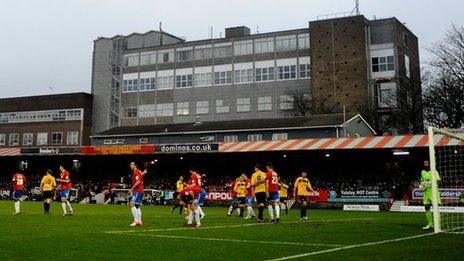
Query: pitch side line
x,y
350,247
135,230
237,240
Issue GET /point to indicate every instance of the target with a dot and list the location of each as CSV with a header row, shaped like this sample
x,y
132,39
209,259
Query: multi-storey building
x,y
61,120
158,78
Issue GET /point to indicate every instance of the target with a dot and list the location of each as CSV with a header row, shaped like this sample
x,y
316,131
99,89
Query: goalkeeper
x,y
426,185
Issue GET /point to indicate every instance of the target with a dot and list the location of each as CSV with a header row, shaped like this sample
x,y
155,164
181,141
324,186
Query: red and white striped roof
x,y
10,151
371,142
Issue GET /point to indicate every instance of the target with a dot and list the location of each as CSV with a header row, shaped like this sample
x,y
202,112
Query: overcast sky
x,y
48,43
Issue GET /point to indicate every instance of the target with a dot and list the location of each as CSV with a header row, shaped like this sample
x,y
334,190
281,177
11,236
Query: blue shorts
x,y
249,200
201,197
17,194
136,198
64,193
234,200
274,196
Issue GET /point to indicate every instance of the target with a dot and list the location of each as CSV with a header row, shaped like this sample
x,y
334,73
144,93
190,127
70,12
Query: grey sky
x,y
49,42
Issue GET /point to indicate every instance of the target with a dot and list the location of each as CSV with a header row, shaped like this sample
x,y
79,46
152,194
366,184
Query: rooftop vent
x,y
237,31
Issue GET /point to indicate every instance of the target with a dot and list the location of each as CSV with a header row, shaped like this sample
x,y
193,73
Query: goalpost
x,y
446,152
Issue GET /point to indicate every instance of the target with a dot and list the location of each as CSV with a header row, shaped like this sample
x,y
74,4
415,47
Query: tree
x,y
444,89
302,104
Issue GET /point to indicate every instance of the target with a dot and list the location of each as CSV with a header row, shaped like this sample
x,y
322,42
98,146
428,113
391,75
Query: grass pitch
x,y
102,233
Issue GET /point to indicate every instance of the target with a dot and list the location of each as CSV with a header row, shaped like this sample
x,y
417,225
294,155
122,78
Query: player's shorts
x,y
137,198
303,198
241,200
273,196
17,194
260,197
249,200
234,200
283,198
175,195
201,197
64,193
46,194
187,199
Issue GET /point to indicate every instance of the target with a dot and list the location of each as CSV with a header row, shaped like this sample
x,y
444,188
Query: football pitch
x,y
102,232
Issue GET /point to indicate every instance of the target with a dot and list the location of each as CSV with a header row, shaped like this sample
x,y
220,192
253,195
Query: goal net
x,y
446,152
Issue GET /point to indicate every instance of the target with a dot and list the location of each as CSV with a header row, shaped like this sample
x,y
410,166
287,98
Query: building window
x,y
130,112
166,56
57,138
280,136
303,41
184,81
131,60
221,107
202,107
265,103
72,138
285,43
184,55
165,82
13,139
42,138
147,84
287,72
243,47
183,108
2,139
382,64
265,45
147,58
286,102
129,85
203,79
230,138
146,111
255,137
221,78
264,74
406,40
305,71
243,76
222,50
164,109
386,95
28,139
203,52
243,104
407,66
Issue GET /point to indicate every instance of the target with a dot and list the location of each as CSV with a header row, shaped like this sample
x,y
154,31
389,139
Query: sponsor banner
x,y
442,209
218,196
358,196
320,195
452,194
114,150
51,151
187,148
361,207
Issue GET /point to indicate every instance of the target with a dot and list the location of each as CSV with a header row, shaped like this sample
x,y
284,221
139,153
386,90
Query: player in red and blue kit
x,y
137,195
249,197
18,182
233,195
272,184
196,181
188,198
65,187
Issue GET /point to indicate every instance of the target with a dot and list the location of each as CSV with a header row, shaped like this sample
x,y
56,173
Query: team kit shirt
x,y
18,182
249,187
137,176
48,182
258,177
302,185
284,191
233,194
65,185
195,180
179,186
426,178
240,189
273,182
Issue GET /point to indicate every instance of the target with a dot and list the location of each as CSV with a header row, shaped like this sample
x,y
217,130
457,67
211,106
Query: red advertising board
x,y
115,150
320,195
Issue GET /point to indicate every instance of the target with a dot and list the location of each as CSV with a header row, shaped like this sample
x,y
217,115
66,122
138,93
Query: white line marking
x,y
232,226
350,247
235,240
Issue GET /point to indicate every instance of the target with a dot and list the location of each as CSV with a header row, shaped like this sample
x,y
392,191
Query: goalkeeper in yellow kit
x,y
426,185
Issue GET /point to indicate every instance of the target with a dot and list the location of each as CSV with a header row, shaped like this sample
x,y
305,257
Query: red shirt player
x,y
65,179
137,195
272,180
18,182
195,179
